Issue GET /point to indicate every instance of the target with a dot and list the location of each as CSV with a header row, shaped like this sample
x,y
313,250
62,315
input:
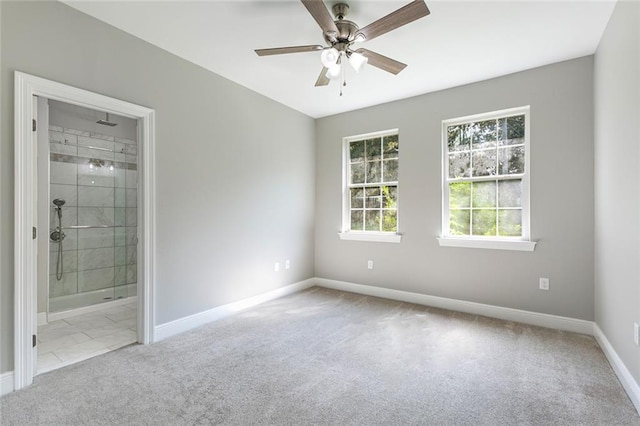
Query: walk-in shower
x,y
93,208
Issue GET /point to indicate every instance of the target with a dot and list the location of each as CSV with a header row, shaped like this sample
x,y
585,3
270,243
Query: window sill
x,y
518,245
378,237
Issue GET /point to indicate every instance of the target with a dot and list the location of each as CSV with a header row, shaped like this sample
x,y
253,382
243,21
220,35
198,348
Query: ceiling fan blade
x,y
382,62
323,80
319,11
290,49
406,14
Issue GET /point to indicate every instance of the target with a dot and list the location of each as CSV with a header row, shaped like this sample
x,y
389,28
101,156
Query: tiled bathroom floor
x,y
75,339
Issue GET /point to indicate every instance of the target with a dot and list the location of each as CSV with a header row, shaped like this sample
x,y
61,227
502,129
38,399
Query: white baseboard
x,y
187,323
42,319
625,377
6,383
509,314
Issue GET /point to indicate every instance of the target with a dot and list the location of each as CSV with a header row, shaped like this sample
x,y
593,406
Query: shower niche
x,y
93,212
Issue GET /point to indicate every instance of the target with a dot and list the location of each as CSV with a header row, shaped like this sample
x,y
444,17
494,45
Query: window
x,y
486,180
370,189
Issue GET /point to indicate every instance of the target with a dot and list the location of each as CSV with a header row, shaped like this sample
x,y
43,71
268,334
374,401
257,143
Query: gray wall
x,y
561,99
617,172
234,186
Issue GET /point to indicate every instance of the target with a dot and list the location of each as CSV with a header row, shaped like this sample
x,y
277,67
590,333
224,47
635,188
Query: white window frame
x,y
522,243
372,236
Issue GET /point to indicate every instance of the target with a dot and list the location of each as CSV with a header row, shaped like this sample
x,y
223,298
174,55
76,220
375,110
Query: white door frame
x,y
25,265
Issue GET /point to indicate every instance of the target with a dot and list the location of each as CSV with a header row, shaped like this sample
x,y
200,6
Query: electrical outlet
x,y
369,264
544,283
287,264
636,333
277,266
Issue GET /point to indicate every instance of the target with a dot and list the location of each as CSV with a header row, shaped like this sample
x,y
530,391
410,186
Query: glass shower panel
x,y
96,176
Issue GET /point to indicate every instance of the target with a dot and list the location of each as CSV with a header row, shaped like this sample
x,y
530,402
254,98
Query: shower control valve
x,y
57,235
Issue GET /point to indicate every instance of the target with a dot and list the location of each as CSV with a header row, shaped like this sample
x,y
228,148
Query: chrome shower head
x,y
59,202
107,122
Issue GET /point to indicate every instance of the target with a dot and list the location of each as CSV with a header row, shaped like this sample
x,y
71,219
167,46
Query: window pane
x,y
515,127
486,169
511,130
510,223
459,194
390,220
459,222
459,165
511,160
484,162
390,170
484,134
357,198
458,137
356,151
484,194
372,220
374,174
390,145
357,223
373,192
389,197
373,198
510,193
374,149
357,173
484,222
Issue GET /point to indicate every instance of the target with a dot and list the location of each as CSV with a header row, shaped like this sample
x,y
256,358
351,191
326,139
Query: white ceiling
x,y
459,43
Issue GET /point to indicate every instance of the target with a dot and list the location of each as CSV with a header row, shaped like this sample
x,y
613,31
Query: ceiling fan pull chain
x,y
344,74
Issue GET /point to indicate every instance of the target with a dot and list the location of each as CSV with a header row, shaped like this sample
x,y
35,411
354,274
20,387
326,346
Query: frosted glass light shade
x,y
329,57
357,61
334,72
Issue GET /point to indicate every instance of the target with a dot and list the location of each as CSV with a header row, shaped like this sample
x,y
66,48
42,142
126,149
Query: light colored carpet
x,y
328,357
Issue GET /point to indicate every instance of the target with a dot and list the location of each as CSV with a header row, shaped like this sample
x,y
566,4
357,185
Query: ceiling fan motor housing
x,y
346,33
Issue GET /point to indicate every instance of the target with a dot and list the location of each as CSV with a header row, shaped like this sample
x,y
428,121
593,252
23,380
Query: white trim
x,y
196,320
25,318
42,319
517,245
628,382
147,250
24,263
508,314
380,237
6,383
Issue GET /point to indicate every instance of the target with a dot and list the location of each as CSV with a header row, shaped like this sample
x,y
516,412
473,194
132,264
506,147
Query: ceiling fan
x,y
341,34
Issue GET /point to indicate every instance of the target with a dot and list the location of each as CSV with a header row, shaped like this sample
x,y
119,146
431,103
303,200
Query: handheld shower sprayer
x,y
59,203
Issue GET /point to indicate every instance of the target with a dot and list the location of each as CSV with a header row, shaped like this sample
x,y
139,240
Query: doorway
x,y
32,205
87,166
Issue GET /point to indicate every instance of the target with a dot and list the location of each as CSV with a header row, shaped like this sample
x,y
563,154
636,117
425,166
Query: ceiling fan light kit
x,y
340,34
329,57
357,61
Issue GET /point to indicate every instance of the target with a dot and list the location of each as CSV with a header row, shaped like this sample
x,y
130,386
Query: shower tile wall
x,y
99,187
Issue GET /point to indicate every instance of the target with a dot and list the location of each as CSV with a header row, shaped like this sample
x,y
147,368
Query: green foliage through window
x,y
486,167
373,183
